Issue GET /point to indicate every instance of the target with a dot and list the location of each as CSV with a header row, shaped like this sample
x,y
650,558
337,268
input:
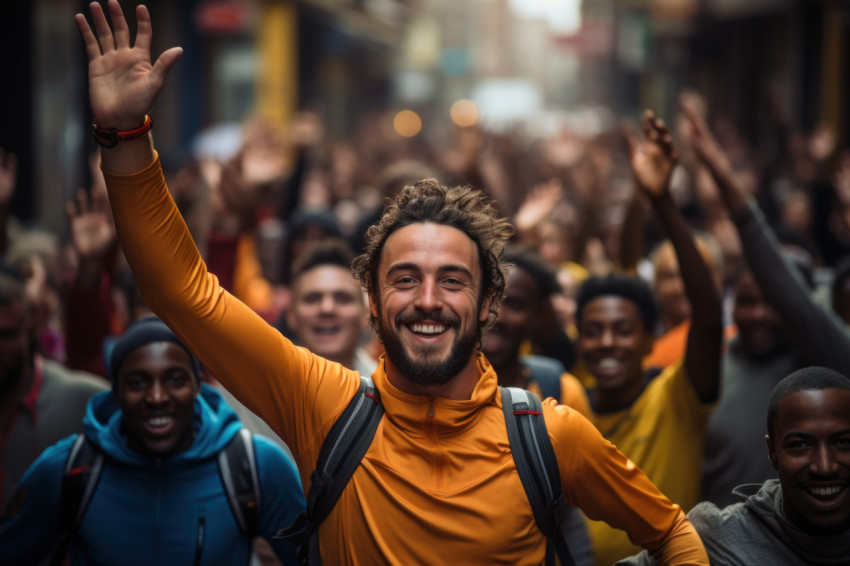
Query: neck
x,y
608,400
458,388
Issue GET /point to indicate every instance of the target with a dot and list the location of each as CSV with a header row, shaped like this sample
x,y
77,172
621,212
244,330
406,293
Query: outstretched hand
x,y
652,160
92,228
122,82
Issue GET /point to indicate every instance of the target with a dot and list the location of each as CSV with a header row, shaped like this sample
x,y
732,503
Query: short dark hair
x,y
812,378
461,207
528,260
632,289
333,252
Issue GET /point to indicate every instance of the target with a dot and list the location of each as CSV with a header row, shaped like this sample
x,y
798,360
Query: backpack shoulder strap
x,y
537,467
237,466
340,455
546,372
79,479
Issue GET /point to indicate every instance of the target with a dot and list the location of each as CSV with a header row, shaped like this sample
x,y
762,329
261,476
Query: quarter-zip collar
x,y
445,417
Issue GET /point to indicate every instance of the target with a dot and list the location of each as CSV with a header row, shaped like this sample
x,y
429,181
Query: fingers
x,y
163,66
101,27
144,32
90,41
119,25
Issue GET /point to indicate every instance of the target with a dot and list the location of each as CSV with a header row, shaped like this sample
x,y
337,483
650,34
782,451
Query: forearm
x,y
815,329
681,546
706,308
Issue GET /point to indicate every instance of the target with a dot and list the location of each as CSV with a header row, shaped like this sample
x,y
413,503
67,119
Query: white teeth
x,y
825,491
608,363
159,421
428,328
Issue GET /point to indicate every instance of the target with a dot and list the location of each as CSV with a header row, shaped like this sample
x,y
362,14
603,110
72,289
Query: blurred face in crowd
x,y
612,342
669,287
156,391
759,325
810,448
328,312
15,355
427,302
517,313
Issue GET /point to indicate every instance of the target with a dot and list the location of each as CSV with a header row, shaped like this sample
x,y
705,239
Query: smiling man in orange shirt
x,y
438,483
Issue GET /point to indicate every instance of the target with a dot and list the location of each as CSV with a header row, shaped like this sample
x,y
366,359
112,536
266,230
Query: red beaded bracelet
x,y
110,138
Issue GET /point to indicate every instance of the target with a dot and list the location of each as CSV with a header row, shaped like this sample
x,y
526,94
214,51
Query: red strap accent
x,y
109,138
80,470
375,399
527,412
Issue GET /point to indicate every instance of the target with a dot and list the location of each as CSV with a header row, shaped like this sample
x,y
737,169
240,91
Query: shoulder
x,y
271,457
57,375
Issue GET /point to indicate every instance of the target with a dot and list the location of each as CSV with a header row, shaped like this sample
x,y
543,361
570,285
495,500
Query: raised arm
x,y
249,357
652,162
815,329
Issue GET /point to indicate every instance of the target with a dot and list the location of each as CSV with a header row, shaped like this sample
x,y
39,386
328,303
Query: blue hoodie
x,y
152,511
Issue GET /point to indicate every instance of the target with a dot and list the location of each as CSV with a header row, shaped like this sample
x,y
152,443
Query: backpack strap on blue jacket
x,y
341,454
537,468
237,466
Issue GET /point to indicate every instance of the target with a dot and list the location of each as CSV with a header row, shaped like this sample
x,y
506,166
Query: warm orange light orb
x,y
464,113
407,123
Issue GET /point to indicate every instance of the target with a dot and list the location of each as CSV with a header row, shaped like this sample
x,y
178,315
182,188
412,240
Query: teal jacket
x,y
147,511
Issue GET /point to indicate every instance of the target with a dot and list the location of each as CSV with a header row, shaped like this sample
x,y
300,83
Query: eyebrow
x,y
806,435
442,269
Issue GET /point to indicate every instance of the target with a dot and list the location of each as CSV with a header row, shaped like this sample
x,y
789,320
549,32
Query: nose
x,y
157,393
327,304
429,297
824,462
606,339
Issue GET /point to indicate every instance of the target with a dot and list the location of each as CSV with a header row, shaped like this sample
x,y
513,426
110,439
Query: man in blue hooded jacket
x,y
160,498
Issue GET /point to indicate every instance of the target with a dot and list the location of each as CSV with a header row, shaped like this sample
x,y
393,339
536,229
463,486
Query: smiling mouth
x,y
825,493
326,330
159,424
425,329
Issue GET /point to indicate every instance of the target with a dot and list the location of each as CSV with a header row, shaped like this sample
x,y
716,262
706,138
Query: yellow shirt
x,y
438,485
663,433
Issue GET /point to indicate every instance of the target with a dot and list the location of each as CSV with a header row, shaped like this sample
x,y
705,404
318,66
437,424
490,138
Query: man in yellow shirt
x,y
658,421
438,483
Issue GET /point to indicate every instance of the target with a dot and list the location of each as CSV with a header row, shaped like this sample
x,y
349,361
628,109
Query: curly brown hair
x,y
461,207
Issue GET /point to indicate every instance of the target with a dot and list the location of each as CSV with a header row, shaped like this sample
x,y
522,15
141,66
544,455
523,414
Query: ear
x,y
373,304
485,307
771,451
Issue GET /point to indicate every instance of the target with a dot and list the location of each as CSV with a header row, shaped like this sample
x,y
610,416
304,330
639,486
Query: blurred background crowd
x,y
288,122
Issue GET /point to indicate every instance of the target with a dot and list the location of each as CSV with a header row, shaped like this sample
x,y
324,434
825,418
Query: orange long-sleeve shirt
x,y
438,484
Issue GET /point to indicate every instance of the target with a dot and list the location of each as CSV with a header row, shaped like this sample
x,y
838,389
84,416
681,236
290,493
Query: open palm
x,y
123,83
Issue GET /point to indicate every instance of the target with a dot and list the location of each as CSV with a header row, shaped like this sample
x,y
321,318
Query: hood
x,y
215,422
766,504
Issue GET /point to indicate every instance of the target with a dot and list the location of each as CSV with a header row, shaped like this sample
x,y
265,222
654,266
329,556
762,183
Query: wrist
x,y
109,138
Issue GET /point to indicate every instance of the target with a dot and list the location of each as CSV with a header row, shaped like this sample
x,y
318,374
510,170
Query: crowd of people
x,y
169,373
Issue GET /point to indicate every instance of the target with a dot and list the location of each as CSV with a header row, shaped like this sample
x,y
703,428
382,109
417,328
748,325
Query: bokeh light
x,y
407,123
464,113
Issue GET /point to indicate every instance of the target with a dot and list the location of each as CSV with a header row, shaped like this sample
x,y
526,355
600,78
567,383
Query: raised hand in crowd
x,y
92,235
123,83
652,160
